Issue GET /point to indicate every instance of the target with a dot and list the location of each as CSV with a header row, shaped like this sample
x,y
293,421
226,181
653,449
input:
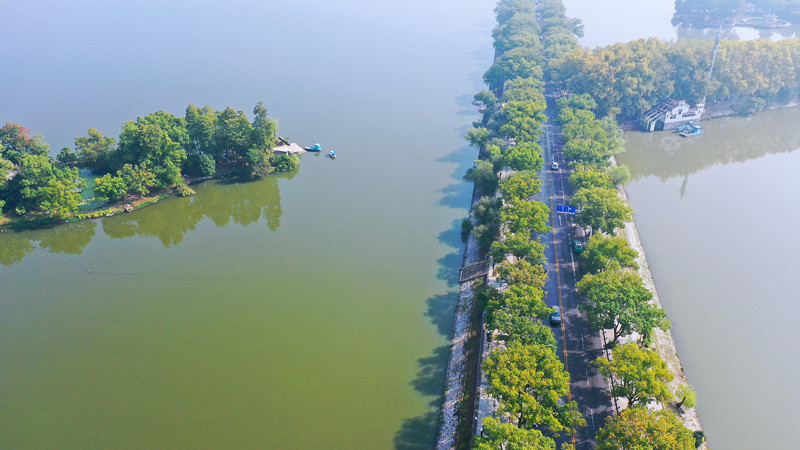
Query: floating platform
x,y
290,148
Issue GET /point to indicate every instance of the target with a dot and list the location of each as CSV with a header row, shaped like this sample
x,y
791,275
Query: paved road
x,y
578,345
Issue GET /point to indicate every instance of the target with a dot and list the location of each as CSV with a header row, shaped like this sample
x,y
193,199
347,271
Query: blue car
x,y
555,318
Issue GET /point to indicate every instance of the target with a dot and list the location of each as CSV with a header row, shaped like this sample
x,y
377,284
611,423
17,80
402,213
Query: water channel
x,y
310,310
717,217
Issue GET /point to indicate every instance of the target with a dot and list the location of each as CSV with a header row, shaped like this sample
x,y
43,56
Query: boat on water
x,y
332,154
689,129
313,148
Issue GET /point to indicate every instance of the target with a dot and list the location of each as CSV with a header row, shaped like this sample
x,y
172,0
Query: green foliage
x,y
256,163
685,396
639,374
529,383
156,141
520,246
587,177
601,208
608,252
201,165
110,188
93,151
40,187
487,217
522,329
753,105
477,137
184,191
284,163
484,176
520,185
201,125
519,300
640,428
138,179
264,130
521,272
66,158
525,217
233,133
620,175
498,435
466,229
618,300
523,156
16,142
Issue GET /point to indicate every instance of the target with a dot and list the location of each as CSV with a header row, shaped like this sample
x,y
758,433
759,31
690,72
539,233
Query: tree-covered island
x,y
155,155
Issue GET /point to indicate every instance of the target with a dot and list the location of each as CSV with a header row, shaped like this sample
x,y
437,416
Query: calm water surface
x,y
303,311
718,219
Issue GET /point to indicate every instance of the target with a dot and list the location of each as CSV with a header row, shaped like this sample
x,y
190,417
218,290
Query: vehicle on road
x,y
555,318
554,165
578,238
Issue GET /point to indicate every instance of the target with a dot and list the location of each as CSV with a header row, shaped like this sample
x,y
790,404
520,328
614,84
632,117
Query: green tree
x,y
484,176
505,436
520,246
477,137
518,300
525,217
156,141
640,428
284,163
638,374
66,158
522,329
521,272
588,176
110,188
264,130
618,300
601,208
607,252
201,126
16,141
138,180
520,185
529,383
524,156
257,163
487,218
40,187
93,150
233,133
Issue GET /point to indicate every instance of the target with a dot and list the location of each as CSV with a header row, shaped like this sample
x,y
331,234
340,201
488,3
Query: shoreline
x,y
450,425
663,340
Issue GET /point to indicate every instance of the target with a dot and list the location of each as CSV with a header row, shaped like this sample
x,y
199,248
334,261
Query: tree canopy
x,y
639,374
505,436
640,428
530,383
619,300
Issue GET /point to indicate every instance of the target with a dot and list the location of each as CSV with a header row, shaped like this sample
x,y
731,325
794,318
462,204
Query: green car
x,y
577,245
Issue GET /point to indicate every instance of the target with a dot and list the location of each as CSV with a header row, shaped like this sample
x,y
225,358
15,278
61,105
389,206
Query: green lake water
x,y
310,310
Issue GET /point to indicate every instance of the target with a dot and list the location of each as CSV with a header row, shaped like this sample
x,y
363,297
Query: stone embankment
x,y
665,344
457,364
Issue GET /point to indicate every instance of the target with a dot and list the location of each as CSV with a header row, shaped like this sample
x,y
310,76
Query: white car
x,y
554,166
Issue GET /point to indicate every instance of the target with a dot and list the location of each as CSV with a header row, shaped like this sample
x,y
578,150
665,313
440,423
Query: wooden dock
x,y
473,271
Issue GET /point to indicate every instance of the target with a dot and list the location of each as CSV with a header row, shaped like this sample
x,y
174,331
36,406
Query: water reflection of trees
x,y
223,203
731,139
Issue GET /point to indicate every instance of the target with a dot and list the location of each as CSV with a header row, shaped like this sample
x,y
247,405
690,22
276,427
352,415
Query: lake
x,y
301,311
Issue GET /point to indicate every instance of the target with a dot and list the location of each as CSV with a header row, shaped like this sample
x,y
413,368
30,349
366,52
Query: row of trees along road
x,y
526,377
153,152
524,372
617,297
